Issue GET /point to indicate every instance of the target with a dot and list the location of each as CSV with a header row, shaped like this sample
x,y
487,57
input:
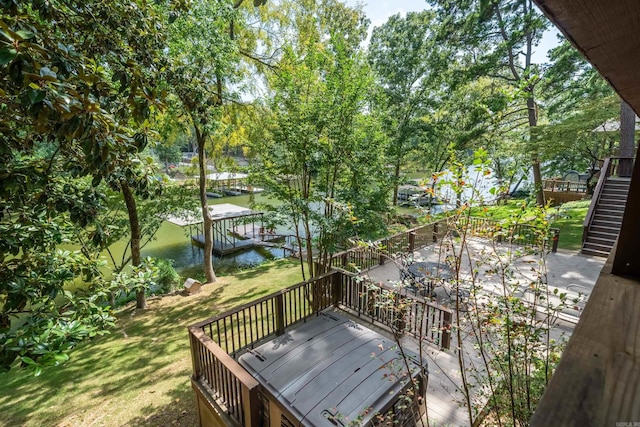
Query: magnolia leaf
x,y
25,35
7,55
36,96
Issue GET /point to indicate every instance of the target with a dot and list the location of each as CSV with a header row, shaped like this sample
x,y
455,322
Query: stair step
x,y
617,207
592,240
618,181
597,247
612,215
592,252
612,201
606,222
607,235
620,192
604,229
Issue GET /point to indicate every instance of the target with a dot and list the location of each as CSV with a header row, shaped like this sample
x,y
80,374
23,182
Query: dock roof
x,y
217,212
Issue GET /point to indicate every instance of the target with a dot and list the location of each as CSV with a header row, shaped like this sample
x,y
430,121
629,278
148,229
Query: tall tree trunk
x,y
627,137
535,161
396,181
136,236
207,223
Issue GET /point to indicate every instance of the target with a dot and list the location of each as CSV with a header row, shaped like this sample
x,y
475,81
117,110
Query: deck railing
x,y
523,235
419,318
559,186
225,380
362,258
216,342
267,317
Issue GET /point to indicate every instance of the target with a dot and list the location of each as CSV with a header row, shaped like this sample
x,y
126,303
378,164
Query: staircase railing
x,y
613,166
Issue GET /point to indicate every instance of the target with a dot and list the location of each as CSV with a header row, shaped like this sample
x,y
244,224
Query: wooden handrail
x,y
238,371
604,174
252,303
232,385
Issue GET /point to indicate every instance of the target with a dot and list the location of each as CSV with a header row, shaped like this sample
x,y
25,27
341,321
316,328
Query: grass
x,y
567,217
139,374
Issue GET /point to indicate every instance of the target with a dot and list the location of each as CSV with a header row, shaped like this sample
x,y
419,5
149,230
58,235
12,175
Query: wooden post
x,y
625,259
435,232
412,241
336,288
555,238
446,330
279,314
251,406
195,355
399,321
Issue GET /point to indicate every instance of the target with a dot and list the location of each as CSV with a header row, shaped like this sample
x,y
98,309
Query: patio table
x,y
423,275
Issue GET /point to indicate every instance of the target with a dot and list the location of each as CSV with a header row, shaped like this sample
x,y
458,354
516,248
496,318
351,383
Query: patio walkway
x,y
568,272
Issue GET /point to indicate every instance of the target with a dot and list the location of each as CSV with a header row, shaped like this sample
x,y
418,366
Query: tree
x,y
499,36
203,57
317,149
204,54
70,88
578,101
407,62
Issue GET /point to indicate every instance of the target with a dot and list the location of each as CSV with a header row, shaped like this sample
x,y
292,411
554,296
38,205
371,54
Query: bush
x,y
167,278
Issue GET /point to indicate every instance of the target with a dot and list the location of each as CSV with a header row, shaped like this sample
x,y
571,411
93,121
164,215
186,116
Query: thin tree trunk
x,y
136,236
207,223
535,161
396,181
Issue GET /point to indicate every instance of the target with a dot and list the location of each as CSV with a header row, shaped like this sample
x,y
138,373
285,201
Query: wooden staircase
x,y
603,222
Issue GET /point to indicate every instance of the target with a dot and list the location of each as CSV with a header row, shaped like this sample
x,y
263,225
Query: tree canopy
x,y
329,121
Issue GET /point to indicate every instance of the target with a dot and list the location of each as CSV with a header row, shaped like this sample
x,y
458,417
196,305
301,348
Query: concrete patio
x,y
567,272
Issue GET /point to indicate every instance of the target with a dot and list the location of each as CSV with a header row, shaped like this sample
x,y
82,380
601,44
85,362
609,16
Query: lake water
x,y
174,242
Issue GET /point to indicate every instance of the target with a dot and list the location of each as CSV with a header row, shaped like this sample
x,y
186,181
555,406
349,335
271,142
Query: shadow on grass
x,y
265,268
147,349
251,295
181,411
132,371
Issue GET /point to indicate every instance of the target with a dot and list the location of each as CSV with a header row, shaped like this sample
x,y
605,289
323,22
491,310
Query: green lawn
x,y
139,374
567,217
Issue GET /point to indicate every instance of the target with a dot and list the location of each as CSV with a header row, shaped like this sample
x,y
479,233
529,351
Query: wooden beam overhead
x,y
607,32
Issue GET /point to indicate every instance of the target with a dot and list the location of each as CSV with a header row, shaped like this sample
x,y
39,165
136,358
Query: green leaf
x,y
46,72
61,357
7,55
36,96
28,360
25,35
